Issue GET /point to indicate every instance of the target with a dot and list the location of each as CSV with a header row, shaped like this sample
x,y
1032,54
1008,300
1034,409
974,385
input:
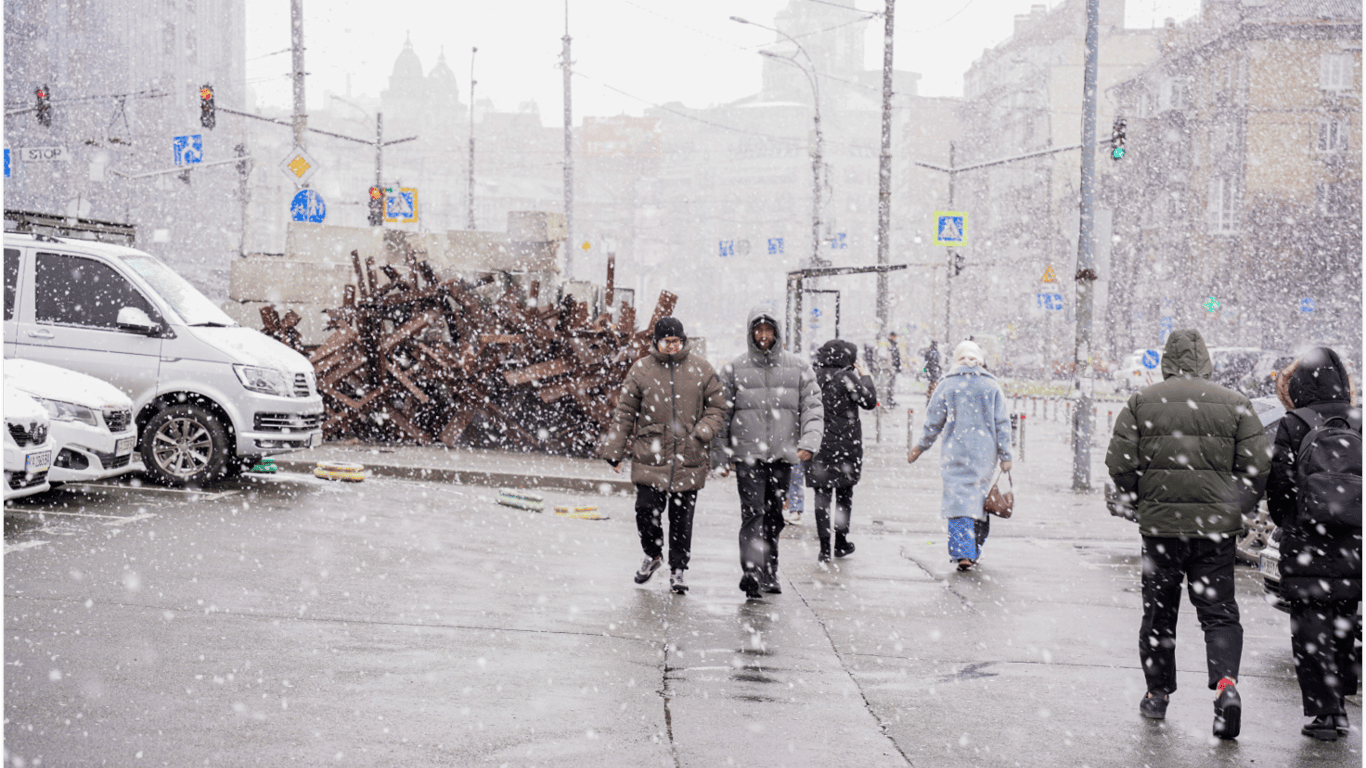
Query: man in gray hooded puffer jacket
x,y
774,419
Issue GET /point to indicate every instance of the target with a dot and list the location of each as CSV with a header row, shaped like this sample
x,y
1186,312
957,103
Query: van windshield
x,y
192,306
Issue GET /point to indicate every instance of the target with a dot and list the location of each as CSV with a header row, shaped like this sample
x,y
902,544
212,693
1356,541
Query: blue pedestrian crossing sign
x,y
188,150
308,206
950,228
1151,359
1050,301
1306,304
400,204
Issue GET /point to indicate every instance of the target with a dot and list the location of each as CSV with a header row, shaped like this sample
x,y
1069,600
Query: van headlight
x,y
60,411
265,380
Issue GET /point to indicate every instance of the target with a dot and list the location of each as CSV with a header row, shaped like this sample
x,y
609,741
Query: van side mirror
x,y
137,321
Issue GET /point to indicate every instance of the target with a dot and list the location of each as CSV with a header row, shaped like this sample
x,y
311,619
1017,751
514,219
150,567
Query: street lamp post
x,y
818,152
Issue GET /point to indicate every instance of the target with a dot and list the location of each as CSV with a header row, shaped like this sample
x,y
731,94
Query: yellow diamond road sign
x,y
299,166
1049,276
586,245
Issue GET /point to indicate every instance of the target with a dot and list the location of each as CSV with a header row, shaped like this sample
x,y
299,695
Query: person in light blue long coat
x,y
969,407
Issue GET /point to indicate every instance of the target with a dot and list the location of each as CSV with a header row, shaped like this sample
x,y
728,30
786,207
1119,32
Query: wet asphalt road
x,y
288,620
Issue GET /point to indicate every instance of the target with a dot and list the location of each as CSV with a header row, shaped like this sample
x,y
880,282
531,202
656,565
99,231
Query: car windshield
x,y
192,306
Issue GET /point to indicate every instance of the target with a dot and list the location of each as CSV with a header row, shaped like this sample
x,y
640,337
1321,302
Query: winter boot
x,y
1228,711
843,546
824,556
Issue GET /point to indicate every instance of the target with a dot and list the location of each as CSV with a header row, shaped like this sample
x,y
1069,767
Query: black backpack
x,y
1328,470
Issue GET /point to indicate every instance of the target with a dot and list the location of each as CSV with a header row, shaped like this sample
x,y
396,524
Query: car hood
x,y
20,408
52,383
251,347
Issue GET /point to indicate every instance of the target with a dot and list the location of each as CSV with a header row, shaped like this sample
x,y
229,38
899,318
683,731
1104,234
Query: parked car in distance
x,y
28,447
1261,380
1231,364
208,395
91,421
1139,369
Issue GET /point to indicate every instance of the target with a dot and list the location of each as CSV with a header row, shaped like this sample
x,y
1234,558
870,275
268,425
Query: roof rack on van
x,y
32,223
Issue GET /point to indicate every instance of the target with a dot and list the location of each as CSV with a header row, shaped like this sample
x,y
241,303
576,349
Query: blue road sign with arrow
x,y
1306,304
1151,359
188,150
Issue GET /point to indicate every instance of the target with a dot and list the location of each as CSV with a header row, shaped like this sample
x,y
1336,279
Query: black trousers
x,y
650,504
1327,658
1207,567
844,507
763,487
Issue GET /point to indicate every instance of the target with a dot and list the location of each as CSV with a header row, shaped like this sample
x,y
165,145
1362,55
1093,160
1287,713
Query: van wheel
x,y
185,445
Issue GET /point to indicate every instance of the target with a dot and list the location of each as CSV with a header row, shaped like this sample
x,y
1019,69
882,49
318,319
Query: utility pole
x,y
469,220
296,10
568,156
1086,265
884,175
948,273
379,150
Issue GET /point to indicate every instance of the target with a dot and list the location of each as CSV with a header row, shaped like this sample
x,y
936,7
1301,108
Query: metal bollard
x,y
1036,405
1022,437
910,429
1015,429
1110,422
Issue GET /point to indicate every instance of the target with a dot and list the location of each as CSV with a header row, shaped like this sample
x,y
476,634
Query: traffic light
x,y
44,108
957,263
207,116
1117,140
376,206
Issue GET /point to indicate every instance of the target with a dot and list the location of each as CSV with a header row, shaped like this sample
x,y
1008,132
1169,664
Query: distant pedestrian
x,y
1192,457
669,410
836,469
1314,495
774,420
894,351
931,355
970,409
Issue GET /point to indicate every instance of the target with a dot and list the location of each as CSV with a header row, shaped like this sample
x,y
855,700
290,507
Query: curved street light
x,y
817,153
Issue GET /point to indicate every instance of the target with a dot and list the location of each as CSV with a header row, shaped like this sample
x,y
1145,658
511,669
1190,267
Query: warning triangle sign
x,y
1049,276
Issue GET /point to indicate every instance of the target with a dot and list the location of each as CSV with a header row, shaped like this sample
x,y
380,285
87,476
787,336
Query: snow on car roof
x,y
54,383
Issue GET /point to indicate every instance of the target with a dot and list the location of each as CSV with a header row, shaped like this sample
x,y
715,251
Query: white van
x,y
28,447
208,394
92,422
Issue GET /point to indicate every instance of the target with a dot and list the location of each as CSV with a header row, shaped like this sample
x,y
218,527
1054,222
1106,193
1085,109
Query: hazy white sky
x,y
655,51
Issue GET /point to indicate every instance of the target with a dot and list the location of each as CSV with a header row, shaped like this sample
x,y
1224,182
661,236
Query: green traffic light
x,y
1117,153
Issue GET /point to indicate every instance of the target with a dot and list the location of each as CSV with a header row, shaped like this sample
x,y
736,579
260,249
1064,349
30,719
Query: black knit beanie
x,y
669,326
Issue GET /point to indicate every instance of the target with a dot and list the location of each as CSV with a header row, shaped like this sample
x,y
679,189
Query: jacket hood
x,y
836,353
1319,376
763,314
1187,354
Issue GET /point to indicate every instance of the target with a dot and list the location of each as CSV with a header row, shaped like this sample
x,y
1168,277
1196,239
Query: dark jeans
x,y
763,486
844,506
1327,658
1207,566
650,503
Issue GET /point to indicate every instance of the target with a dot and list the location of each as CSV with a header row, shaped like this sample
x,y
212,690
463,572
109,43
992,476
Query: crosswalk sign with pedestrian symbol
x,y
400,204
950,228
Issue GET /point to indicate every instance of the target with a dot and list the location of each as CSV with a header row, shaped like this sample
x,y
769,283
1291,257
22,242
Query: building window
x,y
78,13
1333,135
1223,139
168,40
189,45
1333,199
1223,204
1335,71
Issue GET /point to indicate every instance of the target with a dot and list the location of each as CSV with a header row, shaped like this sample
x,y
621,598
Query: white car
x,y
1140,368
92,421
28,447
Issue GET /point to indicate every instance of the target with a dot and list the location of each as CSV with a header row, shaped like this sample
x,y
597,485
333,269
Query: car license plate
x,y
125,446
315,440
1269,568
37,462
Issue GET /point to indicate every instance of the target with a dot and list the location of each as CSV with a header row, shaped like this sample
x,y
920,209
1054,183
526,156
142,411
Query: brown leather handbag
x,y
1000,504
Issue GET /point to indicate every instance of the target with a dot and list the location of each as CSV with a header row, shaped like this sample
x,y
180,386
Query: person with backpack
x,y
669,410
1314,495
835,470
1190,456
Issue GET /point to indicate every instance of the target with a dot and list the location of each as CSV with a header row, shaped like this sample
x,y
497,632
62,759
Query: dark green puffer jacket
x,y
1192,453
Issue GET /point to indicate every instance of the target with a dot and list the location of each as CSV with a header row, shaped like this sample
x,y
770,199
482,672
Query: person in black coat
x,y
837,467
1320,565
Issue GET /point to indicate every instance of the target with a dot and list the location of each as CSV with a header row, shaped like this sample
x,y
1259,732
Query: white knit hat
x,y
968,353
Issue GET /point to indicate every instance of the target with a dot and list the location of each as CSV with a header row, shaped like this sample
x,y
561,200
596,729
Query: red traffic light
x,y
376,193
206,93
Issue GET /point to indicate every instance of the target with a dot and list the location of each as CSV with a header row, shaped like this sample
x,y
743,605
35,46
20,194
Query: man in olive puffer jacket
x,y
1193,458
